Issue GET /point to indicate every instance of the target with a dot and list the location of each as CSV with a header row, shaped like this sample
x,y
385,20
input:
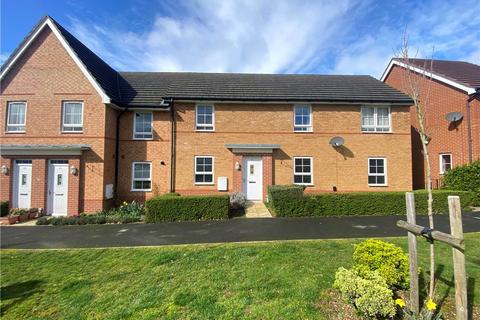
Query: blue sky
x,y
281,36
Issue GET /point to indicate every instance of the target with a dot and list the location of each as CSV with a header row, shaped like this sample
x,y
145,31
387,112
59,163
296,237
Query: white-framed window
x,y
72,119
204,117
303,170
16,116
377,171
302,118
376,119
204,169
445,162
142,126
141,176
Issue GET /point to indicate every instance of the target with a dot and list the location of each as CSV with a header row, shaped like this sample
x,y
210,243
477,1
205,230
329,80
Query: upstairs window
x,y
302,171
302,118
142,176
203,170
205,117
142,126
377,171
445,162
72,117
376,119
16,116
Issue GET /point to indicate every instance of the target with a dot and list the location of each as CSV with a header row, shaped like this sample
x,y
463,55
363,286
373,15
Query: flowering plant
x,y
428,312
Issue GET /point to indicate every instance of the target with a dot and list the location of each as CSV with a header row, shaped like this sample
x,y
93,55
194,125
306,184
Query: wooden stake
x,y
456,227
412,254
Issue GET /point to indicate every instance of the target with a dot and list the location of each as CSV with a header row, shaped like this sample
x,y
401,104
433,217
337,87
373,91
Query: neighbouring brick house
x,y
453,117
77,134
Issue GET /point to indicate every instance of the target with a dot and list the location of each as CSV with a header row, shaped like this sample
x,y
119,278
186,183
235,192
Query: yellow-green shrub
x,y
369,293
388,260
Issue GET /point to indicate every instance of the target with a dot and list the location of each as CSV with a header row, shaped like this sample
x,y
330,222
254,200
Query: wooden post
x,y
456,228
412,254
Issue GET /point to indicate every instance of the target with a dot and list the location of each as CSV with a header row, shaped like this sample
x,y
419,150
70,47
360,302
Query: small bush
x,y
289,201
237,200
4,206
132,209
368,293
388,260
42,221
186,208
17,212
466,177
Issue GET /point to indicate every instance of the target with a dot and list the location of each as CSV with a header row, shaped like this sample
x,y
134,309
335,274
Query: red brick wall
x,y
273,124
445,138
44,76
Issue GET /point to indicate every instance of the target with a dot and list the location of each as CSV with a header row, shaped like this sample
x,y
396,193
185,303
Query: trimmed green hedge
x,y
288,201
174,208
4,208
466,177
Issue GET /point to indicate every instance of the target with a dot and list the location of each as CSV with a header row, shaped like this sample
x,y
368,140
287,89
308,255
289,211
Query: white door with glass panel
x,y
22,184
57,187
252,178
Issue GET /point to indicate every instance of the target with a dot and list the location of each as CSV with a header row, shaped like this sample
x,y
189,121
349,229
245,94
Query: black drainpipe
x,y
172,146
469,126
117,149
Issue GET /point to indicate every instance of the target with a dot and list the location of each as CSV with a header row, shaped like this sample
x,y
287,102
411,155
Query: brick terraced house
x,y
453,118
78,135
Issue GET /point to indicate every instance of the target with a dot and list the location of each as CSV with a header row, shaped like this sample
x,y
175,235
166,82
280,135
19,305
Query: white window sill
x,y
141,190
144,139
13,132
378,185
73,132
199,130
204,184
377,131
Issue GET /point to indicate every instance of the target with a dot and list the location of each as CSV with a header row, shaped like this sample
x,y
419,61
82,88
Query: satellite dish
x,y
337,141
454,116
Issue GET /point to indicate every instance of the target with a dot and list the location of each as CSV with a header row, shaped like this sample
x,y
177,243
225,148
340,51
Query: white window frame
x,y
212,126
16,125
440,156
303,173
70,125
141,179
309,128
385,172
204,172
376,127
135,126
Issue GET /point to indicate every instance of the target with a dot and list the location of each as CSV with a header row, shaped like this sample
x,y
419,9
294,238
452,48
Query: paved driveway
x,y
235,230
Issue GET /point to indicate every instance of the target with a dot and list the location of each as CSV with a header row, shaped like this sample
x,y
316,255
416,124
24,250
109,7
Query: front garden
x,y
274,280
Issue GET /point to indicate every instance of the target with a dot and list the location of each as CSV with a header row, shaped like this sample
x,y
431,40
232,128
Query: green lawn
x,y
276,280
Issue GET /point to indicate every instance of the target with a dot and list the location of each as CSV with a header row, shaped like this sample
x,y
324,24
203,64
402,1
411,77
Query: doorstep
x,y
256,209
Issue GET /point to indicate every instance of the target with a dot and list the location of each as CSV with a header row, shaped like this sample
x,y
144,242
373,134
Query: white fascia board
x,y
78,62
468,90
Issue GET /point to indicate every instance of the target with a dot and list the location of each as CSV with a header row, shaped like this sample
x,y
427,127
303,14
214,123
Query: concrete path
x,y
234,230
256,209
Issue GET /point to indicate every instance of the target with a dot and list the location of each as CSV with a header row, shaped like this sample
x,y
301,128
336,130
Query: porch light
x,y
73,170
237,166
4,170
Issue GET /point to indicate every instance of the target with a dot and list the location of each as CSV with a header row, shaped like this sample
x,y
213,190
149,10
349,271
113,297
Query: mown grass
x,y
275,280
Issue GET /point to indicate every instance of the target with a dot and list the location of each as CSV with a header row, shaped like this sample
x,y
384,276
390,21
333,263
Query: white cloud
x,y
286,36
3,57
224,36
438,28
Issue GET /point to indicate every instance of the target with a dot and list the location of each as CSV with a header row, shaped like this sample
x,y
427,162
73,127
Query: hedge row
x,y
174,208
289,201
466,177
85,219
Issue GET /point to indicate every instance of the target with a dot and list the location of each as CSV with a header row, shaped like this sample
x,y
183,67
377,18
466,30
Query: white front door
x,y
22,184
57,187
252,178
